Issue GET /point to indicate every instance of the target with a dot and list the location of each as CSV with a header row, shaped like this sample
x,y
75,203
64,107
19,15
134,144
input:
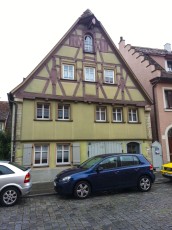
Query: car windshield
x,y
19,166
90,162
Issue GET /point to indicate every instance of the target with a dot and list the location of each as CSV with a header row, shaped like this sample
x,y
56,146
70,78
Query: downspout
x,y
155,111
13,135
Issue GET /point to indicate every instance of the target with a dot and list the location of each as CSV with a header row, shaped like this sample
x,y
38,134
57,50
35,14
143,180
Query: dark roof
x,y
148,52
4,110
151,51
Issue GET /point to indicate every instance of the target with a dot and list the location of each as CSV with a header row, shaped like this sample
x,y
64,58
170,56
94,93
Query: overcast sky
x,y
31,28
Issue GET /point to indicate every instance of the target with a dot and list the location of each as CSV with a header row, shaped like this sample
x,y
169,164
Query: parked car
x,y
106,172
166,170
15,181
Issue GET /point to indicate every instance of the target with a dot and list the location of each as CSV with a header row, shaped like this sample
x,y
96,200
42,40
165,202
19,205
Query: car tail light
x,y
27,178
151,167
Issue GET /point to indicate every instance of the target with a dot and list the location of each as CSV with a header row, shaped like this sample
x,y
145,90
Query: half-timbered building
x,y
81,100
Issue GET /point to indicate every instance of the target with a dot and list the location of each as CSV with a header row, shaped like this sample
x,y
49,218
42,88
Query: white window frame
x,y
100,111
115,113
88,43
41,154
68,71
109,76
63,110
134,113
62,151
165,99
89,73
43,111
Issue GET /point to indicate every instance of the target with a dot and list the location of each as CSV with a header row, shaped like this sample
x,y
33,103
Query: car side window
x,y
129,161
109,163
5,171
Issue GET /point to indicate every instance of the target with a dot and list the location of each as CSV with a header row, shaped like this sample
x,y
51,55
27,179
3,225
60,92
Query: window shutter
x,y
76,153
27,154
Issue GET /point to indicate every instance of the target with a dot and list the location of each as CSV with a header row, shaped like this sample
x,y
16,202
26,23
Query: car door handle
x,y
137,169
116,172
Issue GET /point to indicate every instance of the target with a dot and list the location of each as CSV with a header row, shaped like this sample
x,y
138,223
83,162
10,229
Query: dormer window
x,y
169,66
88,44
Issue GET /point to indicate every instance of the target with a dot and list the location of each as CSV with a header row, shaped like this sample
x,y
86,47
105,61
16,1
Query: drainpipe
x,y
13,135
155,112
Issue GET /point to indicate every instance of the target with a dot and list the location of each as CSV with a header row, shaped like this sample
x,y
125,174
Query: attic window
x,y
88,44
169,66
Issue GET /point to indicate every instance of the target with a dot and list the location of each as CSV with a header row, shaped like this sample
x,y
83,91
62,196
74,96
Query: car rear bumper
x,y
26,189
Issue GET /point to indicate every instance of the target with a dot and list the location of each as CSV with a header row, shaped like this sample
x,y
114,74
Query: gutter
x,y
13,135
154,82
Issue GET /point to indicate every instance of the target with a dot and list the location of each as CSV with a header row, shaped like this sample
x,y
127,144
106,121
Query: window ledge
x,y
42,119
101,122
134,122
40,166
118,122
168,110
64,120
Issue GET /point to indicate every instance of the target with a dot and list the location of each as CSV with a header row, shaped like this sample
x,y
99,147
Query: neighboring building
x,y
81,100
4,116
153,68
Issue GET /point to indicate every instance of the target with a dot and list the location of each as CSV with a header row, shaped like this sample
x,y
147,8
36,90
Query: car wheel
x,y
82,190
9,196
144,184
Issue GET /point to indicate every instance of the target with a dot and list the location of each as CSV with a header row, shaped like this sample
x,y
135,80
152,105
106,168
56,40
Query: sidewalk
x,y
47,188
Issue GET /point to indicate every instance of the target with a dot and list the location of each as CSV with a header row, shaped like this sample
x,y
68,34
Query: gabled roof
x,y
88,19
4,110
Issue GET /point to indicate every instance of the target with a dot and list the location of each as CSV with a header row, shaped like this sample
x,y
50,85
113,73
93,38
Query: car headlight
x,y
66,179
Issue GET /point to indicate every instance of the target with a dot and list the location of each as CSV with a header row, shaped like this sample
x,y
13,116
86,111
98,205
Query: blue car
x,y
106,172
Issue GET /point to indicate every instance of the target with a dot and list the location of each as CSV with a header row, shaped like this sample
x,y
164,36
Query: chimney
x,y
167,47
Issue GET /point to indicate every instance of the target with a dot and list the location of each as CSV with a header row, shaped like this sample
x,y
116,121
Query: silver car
x,y
15,181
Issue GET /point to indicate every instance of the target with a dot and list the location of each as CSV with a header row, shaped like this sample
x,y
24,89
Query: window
x,y
89,74
169,66
63,154
133,115
117,114
168,99
109,163
68,72
43,111
4,170
109,76
1,126
41,155
63,112
129,160
100,114
88,44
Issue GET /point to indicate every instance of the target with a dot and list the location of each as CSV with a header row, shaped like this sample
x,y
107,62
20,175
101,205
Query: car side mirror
x,y
99,168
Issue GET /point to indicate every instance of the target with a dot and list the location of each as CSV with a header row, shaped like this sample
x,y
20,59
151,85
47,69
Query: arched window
x,y
133,147
88,43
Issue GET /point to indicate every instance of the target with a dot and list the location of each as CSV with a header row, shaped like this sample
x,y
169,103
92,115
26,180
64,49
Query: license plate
x,y
54,183
167,174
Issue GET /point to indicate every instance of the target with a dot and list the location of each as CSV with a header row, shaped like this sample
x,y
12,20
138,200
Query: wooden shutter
x,y
76,153
27,154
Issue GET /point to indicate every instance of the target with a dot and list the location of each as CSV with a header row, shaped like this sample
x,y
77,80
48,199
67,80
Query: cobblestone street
x,y
129,210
